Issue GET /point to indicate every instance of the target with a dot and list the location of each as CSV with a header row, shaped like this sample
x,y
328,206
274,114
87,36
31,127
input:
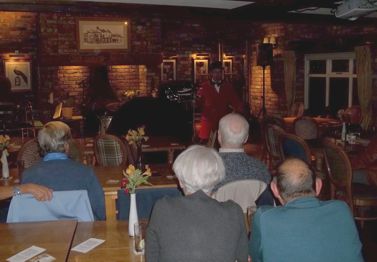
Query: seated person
x,y
40,193
304,228
196,227
233,133
59,172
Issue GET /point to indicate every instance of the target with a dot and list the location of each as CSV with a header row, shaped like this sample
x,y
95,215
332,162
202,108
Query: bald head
x,y
233,131
295,179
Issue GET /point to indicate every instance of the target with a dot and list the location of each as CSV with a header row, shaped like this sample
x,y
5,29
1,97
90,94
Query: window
x,y
330,82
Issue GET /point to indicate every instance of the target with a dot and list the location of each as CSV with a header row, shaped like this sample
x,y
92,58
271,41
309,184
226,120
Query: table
x,y
323,123
13,178
161,144
110,177
118,246
54,236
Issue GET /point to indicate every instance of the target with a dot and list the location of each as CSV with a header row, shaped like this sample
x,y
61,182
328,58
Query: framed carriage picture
x,y
200,70
168,70
95,34
19,75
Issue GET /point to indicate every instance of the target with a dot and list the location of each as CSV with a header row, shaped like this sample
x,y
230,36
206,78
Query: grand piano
x,y
168,115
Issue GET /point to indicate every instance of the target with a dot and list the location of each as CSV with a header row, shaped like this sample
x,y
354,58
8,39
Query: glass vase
x,y
4,164
133,217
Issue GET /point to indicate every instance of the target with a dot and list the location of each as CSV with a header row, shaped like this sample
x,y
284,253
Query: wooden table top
x,y
54,236
162,144
118,246
13,178
320,121
110,177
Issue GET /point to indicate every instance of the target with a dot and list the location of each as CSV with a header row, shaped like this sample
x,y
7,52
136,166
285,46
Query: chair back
x,y
243,192
212,139
306,128
145,200
73,205
339,170
29,154
272,135
294,146
110,151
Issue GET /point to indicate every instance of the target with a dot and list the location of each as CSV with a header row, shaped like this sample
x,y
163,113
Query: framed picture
x,y
168,70
228,66
200,70
18,73
103,34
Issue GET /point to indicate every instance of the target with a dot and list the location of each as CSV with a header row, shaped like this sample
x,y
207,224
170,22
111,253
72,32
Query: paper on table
x,y
88,245
42,258
26,254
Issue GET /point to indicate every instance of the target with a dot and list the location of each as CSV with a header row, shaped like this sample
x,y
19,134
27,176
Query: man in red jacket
x,y
216,98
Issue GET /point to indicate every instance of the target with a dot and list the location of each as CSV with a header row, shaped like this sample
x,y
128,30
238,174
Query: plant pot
x,y
67,112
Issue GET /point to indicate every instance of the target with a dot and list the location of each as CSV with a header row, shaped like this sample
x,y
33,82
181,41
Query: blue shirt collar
x,y
308,201
55,156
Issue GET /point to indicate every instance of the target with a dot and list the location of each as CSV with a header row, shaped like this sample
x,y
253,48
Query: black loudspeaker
x,y
264,55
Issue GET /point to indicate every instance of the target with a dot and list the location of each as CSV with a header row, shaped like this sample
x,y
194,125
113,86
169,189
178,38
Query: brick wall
x,y
51,40
303,38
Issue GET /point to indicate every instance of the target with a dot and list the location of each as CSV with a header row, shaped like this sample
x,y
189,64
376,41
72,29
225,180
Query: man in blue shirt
x,y
303,228
60,173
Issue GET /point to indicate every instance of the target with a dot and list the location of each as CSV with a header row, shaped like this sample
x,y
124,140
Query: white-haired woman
x,y
58,172
196,227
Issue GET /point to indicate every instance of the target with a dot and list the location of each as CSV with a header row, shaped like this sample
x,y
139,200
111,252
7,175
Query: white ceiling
x,y
220,4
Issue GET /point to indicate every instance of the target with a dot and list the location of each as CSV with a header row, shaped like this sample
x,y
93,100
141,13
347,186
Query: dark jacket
x,y
196,228
67,174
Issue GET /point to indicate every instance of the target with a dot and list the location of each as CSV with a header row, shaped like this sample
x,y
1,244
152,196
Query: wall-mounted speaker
x,y
264,53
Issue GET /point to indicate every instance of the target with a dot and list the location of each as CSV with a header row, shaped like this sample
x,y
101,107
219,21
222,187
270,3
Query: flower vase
x,y
139,159
4,163
133,218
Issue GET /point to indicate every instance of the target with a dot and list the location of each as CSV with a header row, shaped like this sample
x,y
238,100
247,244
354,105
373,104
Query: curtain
x,y
289,59
364,84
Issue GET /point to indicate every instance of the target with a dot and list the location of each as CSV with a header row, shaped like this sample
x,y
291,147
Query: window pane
x,y
355,95
340,65
317,96
338,94
317,67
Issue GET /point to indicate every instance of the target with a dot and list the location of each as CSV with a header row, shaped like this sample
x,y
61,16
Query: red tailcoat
x,y
215,105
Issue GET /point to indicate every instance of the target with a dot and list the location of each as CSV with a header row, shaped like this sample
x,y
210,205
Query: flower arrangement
x,y
4,142
134,177
136,136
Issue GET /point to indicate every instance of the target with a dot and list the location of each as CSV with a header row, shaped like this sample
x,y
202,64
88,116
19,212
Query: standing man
x,y
303,228
216,99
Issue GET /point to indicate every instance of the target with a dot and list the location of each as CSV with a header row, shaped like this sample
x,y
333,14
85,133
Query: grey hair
x,y
199,168
53,136
233,129
295,182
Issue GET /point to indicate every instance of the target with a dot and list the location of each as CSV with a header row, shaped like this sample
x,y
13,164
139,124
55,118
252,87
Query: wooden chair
x,y
110,150
212,140
306,128
28,155
294,146
358,196
271,136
